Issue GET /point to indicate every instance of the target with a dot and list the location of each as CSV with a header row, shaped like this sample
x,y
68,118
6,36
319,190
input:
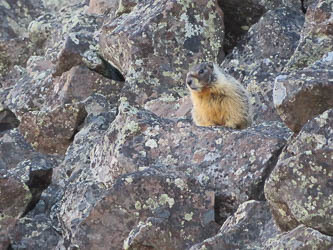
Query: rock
x,y
53,131
69,88
316,37
301,237
34,233
301,95
15,48
13,150
299,188
104,7
188,208
190,33
15,197
262,55
8,119
249,228
218,158
170,107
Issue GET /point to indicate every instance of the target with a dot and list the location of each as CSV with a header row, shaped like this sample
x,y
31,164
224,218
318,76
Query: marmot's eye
x,y
201,71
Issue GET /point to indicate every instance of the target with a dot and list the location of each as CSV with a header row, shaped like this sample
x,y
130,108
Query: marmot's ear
x,y
211,65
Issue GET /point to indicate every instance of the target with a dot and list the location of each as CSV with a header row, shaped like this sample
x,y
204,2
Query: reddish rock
x,y
79,83
187,208
219,158
52,131
301,95
15,196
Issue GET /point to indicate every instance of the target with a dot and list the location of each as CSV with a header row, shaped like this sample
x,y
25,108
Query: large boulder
x,y
172,203
301,95
190,32
219,158
316,37
299,189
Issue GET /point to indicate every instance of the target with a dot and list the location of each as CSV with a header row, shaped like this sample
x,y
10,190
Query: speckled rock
x,y
219,158
32,89
316,38
301,95
262,55
13,150
188,208
299,188
300,238
249,228
53,131
15,17
190,31
34,233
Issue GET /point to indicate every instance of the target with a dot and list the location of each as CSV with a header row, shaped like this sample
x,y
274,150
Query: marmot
x,y
218,98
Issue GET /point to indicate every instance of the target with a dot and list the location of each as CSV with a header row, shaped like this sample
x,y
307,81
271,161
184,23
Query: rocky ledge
x,y
97,146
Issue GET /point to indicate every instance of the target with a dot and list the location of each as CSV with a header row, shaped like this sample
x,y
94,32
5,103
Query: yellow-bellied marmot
x,y
218,98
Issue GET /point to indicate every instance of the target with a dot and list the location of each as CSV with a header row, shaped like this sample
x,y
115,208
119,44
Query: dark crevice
x,y
8,120
303,8
239,15
109,71
38,181
223,207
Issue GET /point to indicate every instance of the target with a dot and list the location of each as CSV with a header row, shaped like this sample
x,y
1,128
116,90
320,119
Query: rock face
x,y
299,188
97,146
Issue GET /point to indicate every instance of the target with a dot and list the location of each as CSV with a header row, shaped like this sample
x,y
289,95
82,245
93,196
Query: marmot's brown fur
x,y
218,98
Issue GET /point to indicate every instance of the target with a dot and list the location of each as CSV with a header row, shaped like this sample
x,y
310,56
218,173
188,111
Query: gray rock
x,y
262,55
316,37
299,188
301,238
249,228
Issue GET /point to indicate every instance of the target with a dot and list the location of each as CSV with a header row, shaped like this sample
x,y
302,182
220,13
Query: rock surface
x,y
300,96
97,145
299,188
248,228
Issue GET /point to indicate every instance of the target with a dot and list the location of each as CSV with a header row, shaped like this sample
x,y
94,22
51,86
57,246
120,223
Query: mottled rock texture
x,y
248,228
299,188
97,146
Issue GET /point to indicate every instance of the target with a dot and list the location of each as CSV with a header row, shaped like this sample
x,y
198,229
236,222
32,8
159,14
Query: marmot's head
x,y
200,76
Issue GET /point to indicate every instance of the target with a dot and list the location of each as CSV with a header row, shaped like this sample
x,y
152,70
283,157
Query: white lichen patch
x,y
180,184
165,199
138,205
151,143
188,216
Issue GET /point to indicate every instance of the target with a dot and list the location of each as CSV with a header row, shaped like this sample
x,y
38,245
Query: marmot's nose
x,y
189,82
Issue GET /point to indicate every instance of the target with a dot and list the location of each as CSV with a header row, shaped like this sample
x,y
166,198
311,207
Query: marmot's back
x,y
218,98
